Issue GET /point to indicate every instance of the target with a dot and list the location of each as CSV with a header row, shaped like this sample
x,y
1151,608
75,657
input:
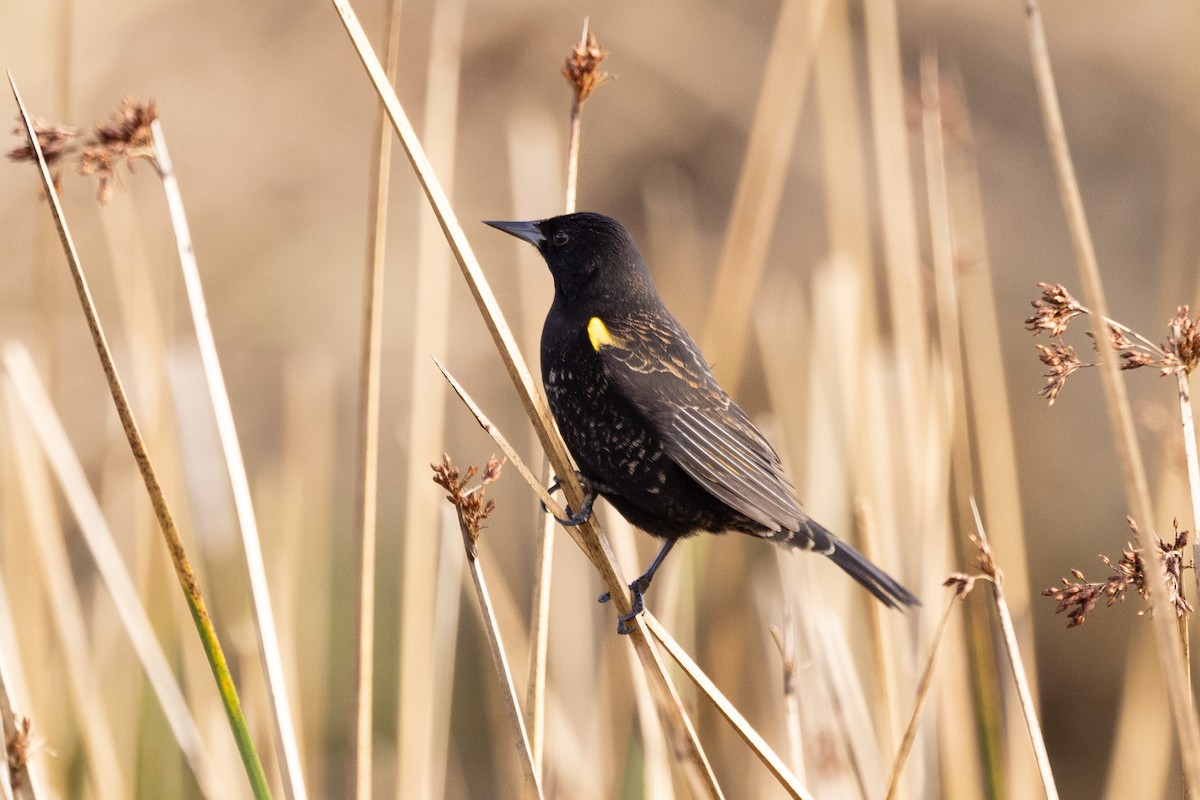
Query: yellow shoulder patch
x,y
598,333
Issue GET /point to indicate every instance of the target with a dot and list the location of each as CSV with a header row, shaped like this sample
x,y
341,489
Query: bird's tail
x,y
813,537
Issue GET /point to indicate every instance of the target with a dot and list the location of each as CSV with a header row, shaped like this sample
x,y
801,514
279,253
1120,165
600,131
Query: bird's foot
x,y
637,590
585,510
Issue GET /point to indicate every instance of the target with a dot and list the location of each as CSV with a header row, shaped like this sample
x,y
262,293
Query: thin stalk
x,y
84,688
576,124
282,725
670,707
980,645
728,710
1133,470
1193,470
38,408
535,700
166,520
760,185
1013,651
367,438
910,733
512,708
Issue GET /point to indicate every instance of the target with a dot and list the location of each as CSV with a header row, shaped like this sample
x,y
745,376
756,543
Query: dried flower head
x,y
56,142
1054,310
127,137
18,746
1063,362
1183,344
962,583
1081,596
582,68
472,509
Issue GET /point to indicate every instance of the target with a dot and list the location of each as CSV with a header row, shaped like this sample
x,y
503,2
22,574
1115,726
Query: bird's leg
x,y
639,587
591,490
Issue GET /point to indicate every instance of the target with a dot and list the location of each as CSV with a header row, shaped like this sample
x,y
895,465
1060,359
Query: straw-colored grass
x,y
835,219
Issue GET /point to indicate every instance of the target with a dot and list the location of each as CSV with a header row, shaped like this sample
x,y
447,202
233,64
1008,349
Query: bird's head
x,y
590,256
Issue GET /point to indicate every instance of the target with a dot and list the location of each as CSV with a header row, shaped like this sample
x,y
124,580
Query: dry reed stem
x,y
514,458
1013,650
910,733
423,744
84,688
470,524
282,725
367,430
844,181
987,389
535,698
980,648
1133,470
727,710
667,701
760,185
901,246
38,409
183,570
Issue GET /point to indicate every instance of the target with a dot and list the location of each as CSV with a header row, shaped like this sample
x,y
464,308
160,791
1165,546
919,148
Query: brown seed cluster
x,y
125,138
472,509
582,69
962,583
1054,311
18,746
1081,596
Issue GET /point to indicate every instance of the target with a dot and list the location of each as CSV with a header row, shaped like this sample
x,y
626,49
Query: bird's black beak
x,y
526,231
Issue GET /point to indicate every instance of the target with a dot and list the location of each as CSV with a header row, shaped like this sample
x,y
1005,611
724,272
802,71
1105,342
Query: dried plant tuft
x,y
962,583
19,746
582,69
472,509
56,141
1082,596
1056,308
127,137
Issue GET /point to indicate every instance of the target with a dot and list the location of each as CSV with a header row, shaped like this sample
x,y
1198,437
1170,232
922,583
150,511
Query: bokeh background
x,y
270,122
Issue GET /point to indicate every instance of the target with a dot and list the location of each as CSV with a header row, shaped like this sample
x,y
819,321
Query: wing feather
x,y
659,369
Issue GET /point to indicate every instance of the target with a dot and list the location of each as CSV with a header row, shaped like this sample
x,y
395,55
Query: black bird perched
x,y
644,418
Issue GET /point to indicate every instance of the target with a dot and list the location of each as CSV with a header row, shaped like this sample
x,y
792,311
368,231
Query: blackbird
x,y
648,425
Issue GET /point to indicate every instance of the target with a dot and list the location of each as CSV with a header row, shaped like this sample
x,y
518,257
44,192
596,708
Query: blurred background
x,y
271,124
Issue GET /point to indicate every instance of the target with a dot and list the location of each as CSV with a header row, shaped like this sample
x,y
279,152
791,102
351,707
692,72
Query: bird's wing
x,y
661,372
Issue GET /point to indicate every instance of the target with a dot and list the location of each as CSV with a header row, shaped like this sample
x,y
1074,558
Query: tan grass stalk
x,y
910,733
992,431
679,727
901,247
422,740
1133,470
1142,696
83,682
367,432
282,726
471,529
844,171
980,647
573,136
38,408
183,570
727,710
760,186
1013,650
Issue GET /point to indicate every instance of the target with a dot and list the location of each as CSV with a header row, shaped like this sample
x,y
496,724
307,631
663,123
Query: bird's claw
x,y
585,511
637,603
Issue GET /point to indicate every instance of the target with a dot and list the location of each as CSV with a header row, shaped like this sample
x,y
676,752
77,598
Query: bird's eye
x,y
561,238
